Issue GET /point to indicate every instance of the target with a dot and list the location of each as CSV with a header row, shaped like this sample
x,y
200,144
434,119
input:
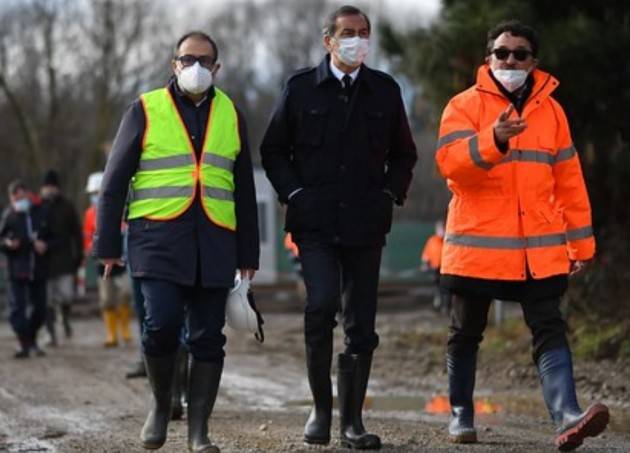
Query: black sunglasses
x,y
503,54
189,60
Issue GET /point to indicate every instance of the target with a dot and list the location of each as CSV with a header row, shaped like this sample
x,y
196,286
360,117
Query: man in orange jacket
x,y
431,260
519,223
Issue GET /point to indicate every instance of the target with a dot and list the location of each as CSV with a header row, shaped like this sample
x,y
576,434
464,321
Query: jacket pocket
x,y
302,212
312,126
377,128
378,212
550,214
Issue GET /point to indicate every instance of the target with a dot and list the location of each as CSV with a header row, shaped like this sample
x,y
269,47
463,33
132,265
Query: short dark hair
x,y
14,186
330,27
51,178
515,28
201,36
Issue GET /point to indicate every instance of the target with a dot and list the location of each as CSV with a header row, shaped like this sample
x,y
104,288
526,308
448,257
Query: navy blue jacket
x,y
189,249
24,263
345,149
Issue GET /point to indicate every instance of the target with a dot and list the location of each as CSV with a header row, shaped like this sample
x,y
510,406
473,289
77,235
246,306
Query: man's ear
x,y
174,66
487,60
328,43
216,69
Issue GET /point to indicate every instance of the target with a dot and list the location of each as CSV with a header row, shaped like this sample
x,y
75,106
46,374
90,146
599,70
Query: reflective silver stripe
x,y
456,135
547,240
163,163
510,243
219,194
566,153
579,233
218,161
162,192
529,155
543,157
473,145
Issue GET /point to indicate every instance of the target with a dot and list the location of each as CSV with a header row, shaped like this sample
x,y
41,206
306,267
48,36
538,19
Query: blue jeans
x,y
21,294
169,306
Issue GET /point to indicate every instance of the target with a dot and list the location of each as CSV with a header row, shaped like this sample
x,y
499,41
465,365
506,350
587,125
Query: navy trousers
x,y
169,306
27,307
345,280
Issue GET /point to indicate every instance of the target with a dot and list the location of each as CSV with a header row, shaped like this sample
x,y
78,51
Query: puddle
x,y
435,405
501,403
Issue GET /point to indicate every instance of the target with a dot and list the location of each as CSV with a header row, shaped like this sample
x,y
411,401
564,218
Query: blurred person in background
x,y
114,290
430,260
24,238
65,254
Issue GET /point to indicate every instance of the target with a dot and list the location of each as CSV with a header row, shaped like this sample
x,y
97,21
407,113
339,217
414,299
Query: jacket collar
x,y
544,83
178,93
323,74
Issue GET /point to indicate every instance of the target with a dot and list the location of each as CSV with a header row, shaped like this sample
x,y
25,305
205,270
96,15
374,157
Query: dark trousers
x,y
138,302
341,279
22,294
469,317
169,305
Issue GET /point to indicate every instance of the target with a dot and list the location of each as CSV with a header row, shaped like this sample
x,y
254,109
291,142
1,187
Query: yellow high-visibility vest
x,y
169,174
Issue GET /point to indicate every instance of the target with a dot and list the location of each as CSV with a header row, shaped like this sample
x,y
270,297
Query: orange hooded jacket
x,y
527,207
432,252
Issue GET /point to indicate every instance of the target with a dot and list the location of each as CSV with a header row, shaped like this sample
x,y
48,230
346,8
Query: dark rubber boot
x,y
203,385
318,360
461,386
23,352
177,410
137,370
160,371
555,368
50,326
352,378
65,318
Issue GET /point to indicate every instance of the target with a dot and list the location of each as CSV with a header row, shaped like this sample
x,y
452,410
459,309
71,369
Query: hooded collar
x,y
544,83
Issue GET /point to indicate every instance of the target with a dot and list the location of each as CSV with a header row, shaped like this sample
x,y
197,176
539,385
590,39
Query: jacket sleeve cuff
x,y
483,149
581,250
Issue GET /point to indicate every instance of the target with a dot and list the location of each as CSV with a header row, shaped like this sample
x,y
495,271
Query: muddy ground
x,y
76,399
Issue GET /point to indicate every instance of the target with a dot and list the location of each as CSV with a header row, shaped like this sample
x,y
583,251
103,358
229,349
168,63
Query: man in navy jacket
x,y
339,153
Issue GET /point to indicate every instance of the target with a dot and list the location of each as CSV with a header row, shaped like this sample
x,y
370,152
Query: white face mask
x,y
352,51
194,79
22,205
511,79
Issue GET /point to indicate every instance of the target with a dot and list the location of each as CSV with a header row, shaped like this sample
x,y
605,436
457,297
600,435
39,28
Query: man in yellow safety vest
x,y
181,161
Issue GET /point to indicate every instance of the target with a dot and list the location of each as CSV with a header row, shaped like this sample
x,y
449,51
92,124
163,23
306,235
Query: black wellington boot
x,y
203,385
65,319
352,379
23,352
137,370
318,360
556,376
461,385
179,381
160,371
51,320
